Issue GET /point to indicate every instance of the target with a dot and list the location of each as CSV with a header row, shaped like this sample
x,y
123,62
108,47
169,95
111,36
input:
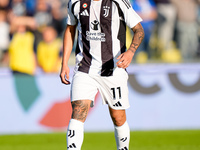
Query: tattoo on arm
x,y
137,38
80,110
133,47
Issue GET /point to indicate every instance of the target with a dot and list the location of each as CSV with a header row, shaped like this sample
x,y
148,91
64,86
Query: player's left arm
x,y
126,57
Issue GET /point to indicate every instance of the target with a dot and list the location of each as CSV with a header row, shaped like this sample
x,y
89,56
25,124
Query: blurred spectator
x,y
18,7
48,51
147,11
16,21
37,16
4,35
21,52
58,17
165,23
42,17
187,27
4,4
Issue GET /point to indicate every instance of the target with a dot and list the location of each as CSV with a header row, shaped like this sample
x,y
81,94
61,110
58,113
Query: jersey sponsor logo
x,y
94,25
71,146
84,13
118,104
71,133
84,5
96,36
106,11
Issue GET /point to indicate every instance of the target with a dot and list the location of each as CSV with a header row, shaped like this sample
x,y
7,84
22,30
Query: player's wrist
x,y
64,63
132,51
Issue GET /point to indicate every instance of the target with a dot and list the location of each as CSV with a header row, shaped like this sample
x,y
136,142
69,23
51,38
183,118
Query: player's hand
x,y
64,74
125,59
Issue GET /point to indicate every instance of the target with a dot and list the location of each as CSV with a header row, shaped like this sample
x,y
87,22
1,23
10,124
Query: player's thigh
x,y
83,87
118,116
114,91
83,92
80,109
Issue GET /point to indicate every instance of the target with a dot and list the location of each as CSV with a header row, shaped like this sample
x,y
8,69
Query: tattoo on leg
x,y
80,110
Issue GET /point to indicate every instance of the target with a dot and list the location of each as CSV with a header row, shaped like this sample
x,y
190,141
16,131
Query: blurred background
x,y
164,76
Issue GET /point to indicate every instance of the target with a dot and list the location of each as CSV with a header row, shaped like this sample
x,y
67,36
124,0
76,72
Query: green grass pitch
x,y
140,140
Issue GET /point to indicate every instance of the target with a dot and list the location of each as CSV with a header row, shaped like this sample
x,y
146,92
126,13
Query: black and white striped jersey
x,y
101,33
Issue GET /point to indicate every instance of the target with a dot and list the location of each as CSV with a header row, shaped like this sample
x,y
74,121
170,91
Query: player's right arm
x,y
68,42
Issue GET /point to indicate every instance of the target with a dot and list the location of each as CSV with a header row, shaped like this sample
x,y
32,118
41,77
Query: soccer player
x,y
101,60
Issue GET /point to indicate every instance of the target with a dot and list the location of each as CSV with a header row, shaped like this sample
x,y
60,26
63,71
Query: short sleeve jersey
x,y
101,33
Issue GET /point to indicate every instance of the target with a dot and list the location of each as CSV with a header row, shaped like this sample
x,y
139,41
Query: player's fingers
x,y
62,76
120,56
120,61
121,64
63,79
67,78
124,65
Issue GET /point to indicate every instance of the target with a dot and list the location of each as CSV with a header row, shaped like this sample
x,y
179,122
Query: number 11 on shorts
x,y
114,92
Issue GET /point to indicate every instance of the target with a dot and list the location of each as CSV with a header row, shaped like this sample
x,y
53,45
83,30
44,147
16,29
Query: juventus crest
x,y
106,11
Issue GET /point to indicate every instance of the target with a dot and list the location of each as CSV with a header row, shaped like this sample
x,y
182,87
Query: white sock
x,y
122,136
75,134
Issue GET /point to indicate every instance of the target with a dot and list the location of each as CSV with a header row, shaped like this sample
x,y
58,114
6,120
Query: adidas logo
x,y
118,104
71,146
125,148
84,13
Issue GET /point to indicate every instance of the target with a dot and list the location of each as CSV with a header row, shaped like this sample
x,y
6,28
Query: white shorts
x,y
113,89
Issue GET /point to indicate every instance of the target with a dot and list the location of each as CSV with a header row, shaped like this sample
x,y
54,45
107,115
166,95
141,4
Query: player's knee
x,y
118,116
80,110
118,120
80,116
